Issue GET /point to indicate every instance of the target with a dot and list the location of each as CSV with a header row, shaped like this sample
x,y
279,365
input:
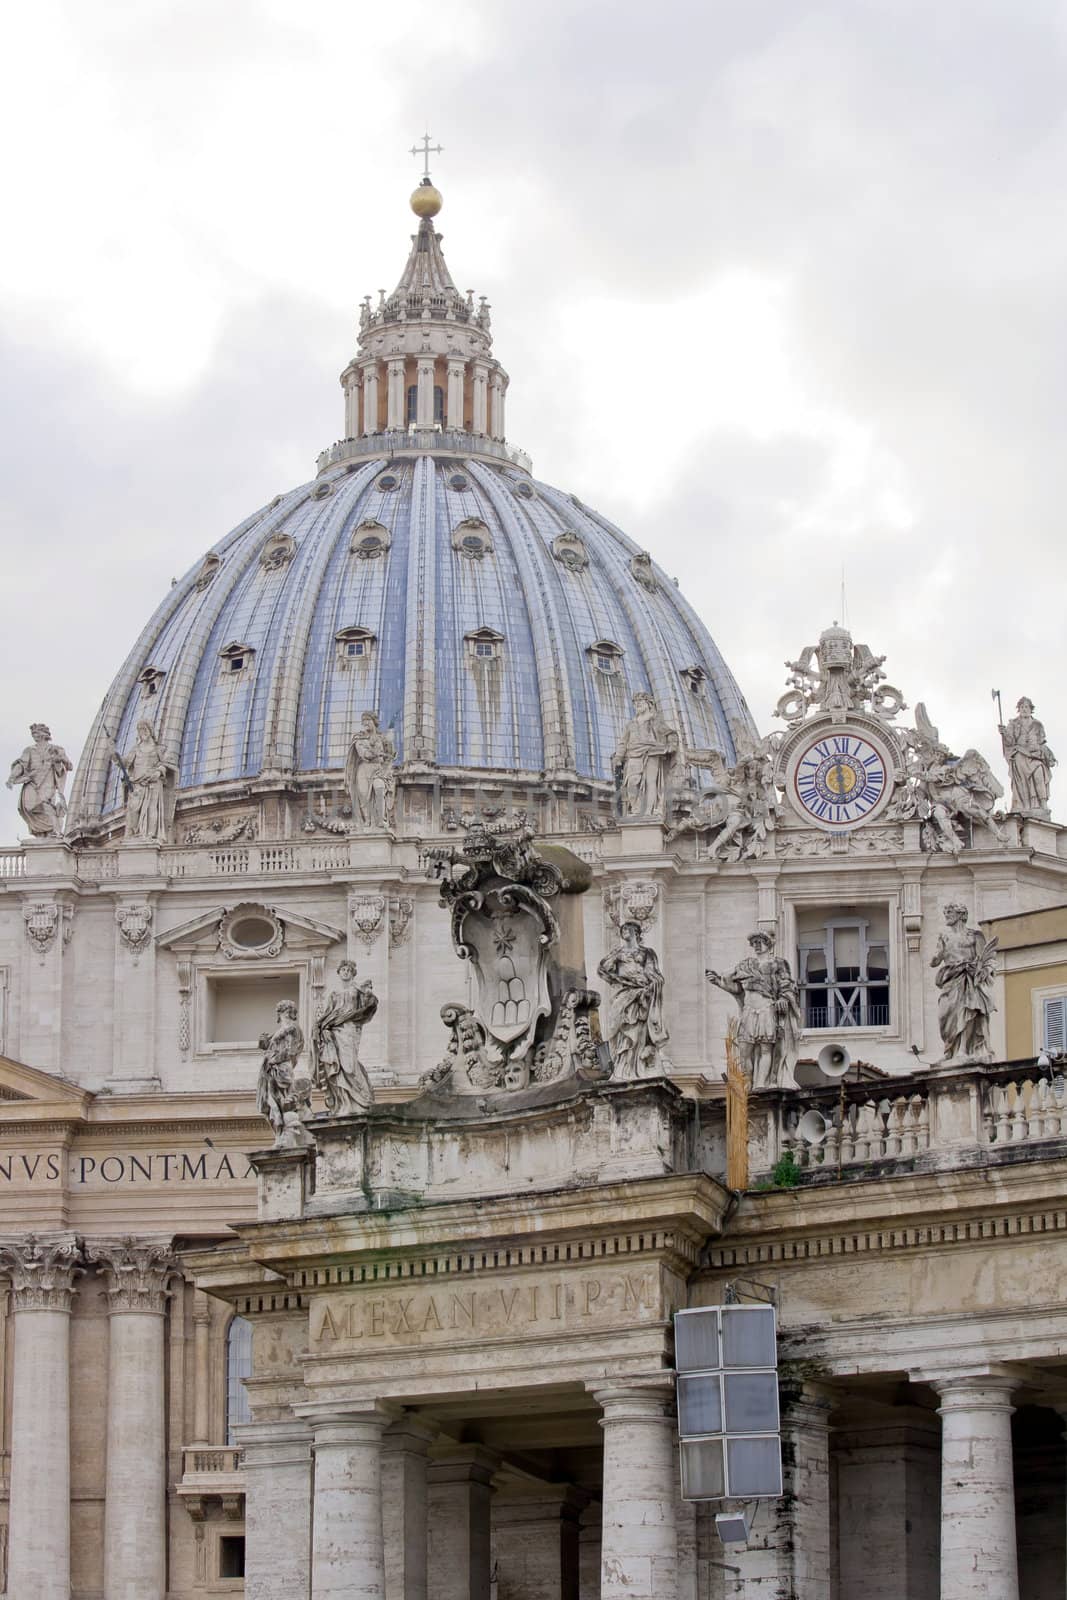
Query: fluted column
x,y
424,393
639,1556
370,397
277,1471
454,398
201,1368
42,1275
479,401
137,1272
395,394
347,1551
978,1553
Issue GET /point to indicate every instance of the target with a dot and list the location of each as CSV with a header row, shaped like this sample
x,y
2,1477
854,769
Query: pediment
x,y
202,931
22,1086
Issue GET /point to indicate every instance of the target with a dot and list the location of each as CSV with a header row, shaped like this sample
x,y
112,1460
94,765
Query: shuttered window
x,y
238,1366
1055,1024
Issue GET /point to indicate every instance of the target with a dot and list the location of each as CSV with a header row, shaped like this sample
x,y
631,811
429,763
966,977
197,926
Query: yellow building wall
x,y
1019,1008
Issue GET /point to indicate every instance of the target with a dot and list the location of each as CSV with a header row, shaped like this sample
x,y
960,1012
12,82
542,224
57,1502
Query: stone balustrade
x,y
938,1118
212,1473
12,863
446,441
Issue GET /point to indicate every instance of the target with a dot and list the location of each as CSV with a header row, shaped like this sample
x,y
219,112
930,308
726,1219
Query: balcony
x,y
417,441
212,1472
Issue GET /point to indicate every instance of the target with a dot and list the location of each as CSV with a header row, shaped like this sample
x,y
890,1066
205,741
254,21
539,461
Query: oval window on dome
x,y
322,491
459,480
471,538
370,540
525,491
388,480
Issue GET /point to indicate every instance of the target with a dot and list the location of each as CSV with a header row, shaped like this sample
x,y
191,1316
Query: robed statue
x,y
769,1005
279,1096
370,776
964,960
647,751
148,779
335,1065
1030,761
634,1025
41,774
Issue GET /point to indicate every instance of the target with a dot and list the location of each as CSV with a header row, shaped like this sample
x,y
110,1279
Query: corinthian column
x,y
137,1272
42,1278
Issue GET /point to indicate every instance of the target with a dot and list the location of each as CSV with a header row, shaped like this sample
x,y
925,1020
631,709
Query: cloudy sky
x,y
781,287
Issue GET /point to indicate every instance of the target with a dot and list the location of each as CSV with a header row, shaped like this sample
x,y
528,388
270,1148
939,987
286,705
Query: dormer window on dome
x,y
370,540
209,571
151,680
641,569
606,656
694,678
277,553
569,550
484,644
236,658
353,645
471,538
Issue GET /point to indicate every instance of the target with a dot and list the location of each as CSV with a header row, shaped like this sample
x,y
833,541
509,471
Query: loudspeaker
x,y
733,1527
813,1127
834,1060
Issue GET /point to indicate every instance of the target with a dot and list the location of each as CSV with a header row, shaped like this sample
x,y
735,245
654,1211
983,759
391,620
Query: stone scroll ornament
x,y
769,1023
533,1020
40,775
965,964
283,1095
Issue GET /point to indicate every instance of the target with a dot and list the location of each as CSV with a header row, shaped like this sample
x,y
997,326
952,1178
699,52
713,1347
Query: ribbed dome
x,y
492,623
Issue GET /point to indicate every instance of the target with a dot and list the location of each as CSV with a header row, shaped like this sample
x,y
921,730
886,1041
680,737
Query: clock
x,y
839,778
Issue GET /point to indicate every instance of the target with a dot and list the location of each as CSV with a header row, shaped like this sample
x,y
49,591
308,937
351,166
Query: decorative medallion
x,y
250,930
367,912
471,538
134,925
569,550
277,553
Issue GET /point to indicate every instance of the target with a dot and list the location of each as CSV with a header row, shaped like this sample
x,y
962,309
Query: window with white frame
x,y
1054,1024
843,966
238,1367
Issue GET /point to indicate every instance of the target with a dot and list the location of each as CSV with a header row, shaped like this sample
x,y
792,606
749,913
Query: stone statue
x,y
646,753
770,1021
739,805
280,1096
634,1025
335,1065
838,676
1030,761
945,791
965,964
41,770
147,776
370,776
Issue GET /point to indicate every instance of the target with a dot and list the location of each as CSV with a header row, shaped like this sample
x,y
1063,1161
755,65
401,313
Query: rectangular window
x,y
843,967
1054,1030
240,1007
232,1555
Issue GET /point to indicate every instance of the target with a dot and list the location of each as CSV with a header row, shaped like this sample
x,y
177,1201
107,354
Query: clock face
x,y
839,779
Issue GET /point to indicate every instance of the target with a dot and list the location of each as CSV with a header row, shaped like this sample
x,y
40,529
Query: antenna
x,y
844,603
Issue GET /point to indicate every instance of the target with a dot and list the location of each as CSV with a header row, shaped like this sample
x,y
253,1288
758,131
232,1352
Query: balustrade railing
x,y
395,441
864,1130
199,1460
1021,1110
12,863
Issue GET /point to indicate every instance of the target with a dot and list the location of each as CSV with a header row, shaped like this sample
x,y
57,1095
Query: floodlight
x,y
700,1404
748,1337
734,1527
696,1339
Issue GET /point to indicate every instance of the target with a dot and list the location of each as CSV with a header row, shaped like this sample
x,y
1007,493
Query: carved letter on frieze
x,y
135,926
137,1271
42,1271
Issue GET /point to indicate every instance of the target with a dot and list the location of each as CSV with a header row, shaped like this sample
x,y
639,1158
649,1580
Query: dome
x,y
493,623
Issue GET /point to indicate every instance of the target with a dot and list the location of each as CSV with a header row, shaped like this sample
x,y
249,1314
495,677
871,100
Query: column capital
x,y
137,1271
463,1463
411,1434
642,1399
42,1270
341,1422
987,1389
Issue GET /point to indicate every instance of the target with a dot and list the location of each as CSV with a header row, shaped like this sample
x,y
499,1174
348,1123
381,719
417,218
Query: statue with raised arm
x,y
646,753
335,1065
147,777
769,1005
40,773
1030,761
280,1096
965,965
370,776
634,1025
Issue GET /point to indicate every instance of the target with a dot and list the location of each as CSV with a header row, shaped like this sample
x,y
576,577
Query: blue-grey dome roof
x,y
491,621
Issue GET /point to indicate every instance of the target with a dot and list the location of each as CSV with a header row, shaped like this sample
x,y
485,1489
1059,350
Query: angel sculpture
x,y
739,804
947,790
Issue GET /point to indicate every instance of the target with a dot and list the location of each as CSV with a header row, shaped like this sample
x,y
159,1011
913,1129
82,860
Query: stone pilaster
x,y
589,1537
789,1550
201,1368
137,1273
277,1473
134,1010
405,1508
535,1541
639,1557
424,392
370,397
460,1490
347,1549
42,1273
978,1553
395,394
887,1490
454,398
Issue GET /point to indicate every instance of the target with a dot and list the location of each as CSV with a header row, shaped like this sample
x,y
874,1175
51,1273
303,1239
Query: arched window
x,y
238,1366
413,402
